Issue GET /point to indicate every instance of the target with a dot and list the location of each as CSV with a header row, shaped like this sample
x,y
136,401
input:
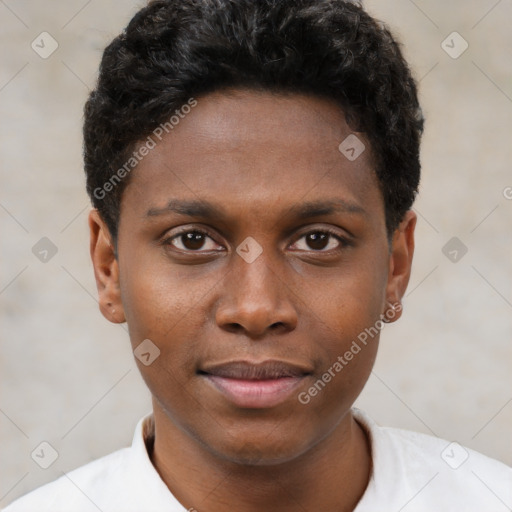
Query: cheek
x,y
346,351
348,347
350,301
158,301
165,306
347,323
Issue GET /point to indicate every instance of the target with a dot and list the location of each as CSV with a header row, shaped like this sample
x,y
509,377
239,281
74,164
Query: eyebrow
x,y
325,207
195,208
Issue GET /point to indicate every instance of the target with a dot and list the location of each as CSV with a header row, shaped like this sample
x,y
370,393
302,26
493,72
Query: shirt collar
x,y
152,493
386,471
155,495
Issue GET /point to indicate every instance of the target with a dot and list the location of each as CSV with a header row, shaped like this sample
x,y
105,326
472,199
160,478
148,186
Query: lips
x,y
265,370
255,385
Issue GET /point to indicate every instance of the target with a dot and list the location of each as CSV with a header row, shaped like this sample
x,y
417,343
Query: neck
x,y
330,476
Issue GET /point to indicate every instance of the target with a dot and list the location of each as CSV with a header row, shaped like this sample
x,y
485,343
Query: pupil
x,y
193,240
318,240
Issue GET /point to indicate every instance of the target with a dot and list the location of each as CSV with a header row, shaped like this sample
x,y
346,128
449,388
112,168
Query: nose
x,y
256,300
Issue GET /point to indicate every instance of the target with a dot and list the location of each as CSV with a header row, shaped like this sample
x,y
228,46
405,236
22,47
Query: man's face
x,y
252,253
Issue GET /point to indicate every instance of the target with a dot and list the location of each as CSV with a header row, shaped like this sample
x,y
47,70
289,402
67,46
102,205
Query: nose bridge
x,y
254,297
256,277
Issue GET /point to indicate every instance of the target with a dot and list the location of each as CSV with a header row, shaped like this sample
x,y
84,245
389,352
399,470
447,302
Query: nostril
x,y
233,327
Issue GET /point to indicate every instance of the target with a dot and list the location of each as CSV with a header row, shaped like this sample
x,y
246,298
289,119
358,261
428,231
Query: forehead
x,y
256,151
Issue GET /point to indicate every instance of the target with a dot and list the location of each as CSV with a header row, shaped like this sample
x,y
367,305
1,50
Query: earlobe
x,y
400,264
106,269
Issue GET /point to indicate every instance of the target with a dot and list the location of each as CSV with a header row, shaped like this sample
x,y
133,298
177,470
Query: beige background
x,y
67,375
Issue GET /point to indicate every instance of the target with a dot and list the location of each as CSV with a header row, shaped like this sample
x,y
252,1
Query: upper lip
x,y
265,370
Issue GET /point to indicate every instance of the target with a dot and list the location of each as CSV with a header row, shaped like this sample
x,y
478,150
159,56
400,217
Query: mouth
x,y
255,385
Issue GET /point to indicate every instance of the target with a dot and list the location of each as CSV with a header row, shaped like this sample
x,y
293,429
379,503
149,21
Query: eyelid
x,y
340,233
344,240
167,239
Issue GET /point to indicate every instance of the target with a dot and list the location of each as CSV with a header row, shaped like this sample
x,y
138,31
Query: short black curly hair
x,y
175,50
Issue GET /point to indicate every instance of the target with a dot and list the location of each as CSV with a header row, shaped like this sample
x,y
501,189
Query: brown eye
x,y
192,241
317,241
320,241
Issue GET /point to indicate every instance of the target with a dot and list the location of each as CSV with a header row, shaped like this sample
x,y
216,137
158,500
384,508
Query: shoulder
x,y
83,487
428,472
125,480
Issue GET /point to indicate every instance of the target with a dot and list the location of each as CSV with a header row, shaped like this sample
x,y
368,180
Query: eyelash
x,y
344,242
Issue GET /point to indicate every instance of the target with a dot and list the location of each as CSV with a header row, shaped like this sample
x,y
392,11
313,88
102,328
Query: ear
x,y
106,269
400,263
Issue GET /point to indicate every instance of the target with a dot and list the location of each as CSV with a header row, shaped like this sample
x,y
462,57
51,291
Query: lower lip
x,y
256,394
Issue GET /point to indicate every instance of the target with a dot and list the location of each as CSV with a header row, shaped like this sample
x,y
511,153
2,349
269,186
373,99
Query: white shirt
x,y
412,472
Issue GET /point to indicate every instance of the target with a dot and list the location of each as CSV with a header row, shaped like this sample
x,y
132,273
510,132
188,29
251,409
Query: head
x,y
252,166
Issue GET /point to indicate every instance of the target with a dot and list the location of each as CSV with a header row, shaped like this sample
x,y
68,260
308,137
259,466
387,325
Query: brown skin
x,y
254,156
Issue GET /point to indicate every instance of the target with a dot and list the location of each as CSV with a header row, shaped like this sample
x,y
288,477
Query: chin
x,y
263,451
